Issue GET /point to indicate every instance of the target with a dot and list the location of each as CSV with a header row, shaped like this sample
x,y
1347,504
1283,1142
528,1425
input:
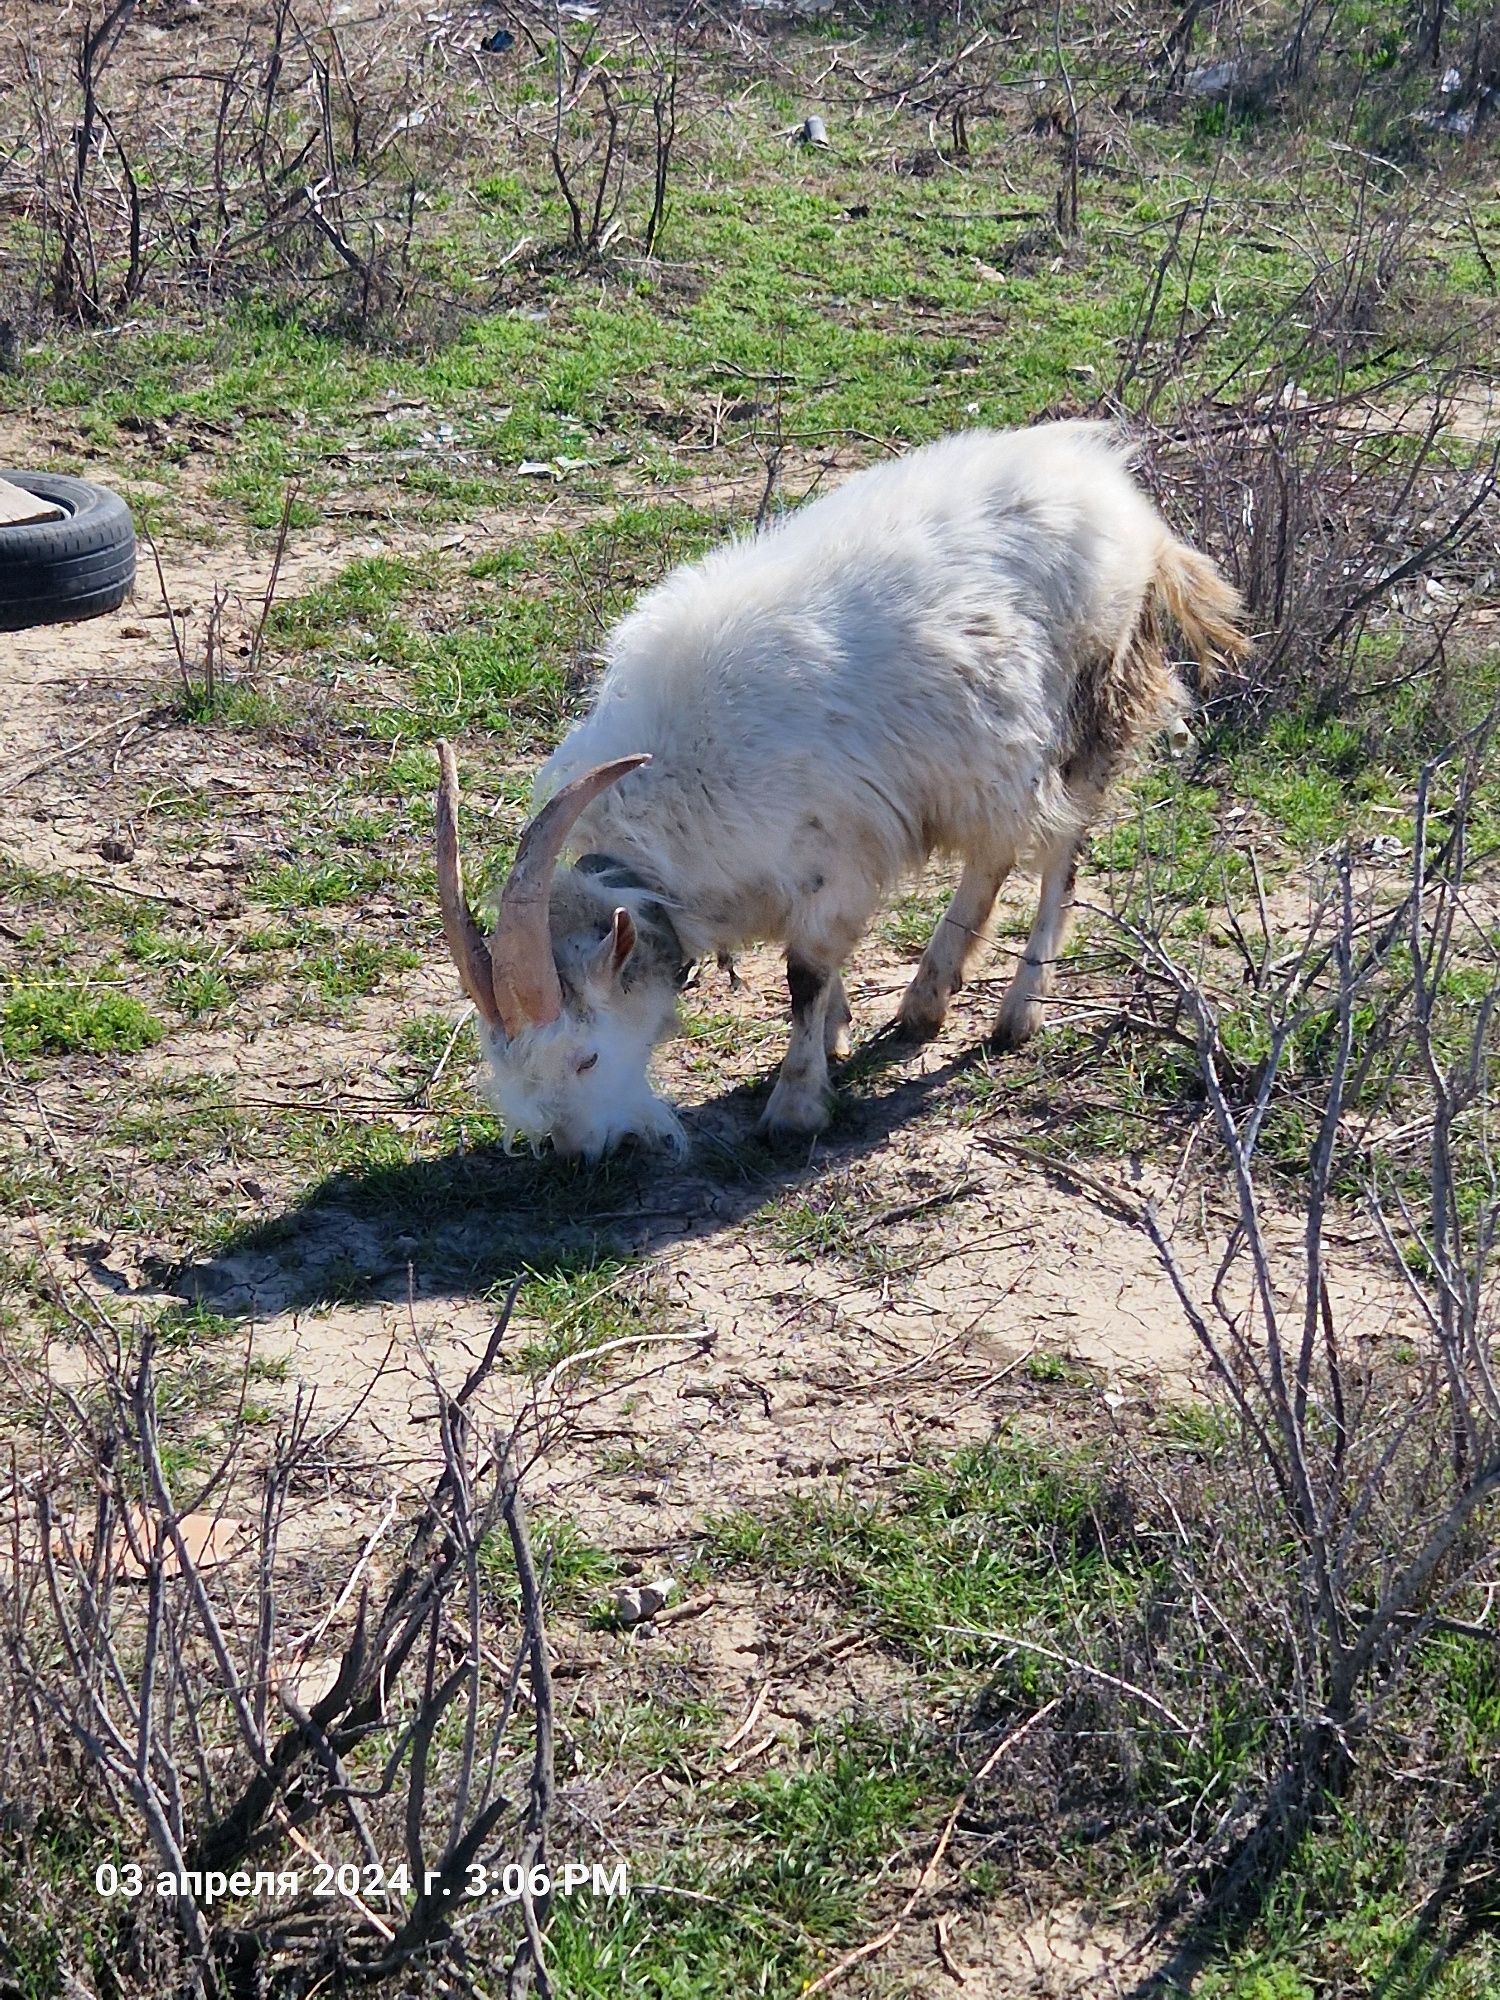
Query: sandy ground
x,y
766,1371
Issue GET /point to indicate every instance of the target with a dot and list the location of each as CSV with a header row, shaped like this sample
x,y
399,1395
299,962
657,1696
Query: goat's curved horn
x,y
465,939
528,992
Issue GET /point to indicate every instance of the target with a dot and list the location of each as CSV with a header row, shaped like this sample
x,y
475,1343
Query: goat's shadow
x,y
461,1223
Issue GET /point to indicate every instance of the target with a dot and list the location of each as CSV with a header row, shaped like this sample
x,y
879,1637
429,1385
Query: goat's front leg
x,y
838,1019
799,1102
1021,1009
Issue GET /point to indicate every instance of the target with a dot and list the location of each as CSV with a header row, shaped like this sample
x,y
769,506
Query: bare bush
x,y
359,1761
1300,1576
285,160
615,82
1335,516
297,155
1364,1518
1348,499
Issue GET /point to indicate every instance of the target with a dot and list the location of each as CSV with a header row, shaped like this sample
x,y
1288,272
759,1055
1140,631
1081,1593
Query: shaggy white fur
x,y
951,653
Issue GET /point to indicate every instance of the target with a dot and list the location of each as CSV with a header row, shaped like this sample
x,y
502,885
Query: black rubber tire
x,y
53,571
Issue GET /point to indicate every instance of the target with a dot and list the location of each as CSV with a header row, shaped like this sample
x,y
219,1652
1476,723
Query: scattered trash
x,y
814,132
307,1681
207,1540
497,43
1180,739
1216,81
1451,82
550,468
410,121
635,1604
1460,122
654,1596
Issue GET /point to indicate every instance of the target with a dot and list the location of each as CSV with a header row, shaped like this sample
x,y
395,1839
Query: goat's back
x,y
893,662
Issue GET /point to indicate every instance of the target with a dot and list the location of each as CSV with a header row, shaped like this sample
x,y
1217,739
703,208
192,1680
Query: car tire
x,y
54,571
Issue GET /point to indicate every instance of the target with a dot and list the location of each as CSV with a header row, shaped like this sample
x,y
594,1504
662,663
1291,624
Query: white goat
x,y
952,653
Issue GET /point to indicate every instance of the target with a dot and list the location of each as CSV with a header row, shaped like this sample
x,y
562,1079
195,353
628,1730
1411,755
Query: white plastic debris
x,y
635,1603
1215,80
654,1596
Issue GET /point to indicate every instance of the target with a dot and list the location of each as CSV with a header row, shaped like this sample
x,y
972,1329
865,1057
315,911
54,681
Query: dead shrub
x,y
1354,503
614,115
277,1767
1315,1645
1358,531
295,159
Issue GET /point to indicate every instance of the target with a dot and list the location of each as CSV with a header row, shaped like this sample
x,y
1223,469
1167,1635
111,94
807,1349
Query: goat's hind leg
x,y
1021,1009
960,932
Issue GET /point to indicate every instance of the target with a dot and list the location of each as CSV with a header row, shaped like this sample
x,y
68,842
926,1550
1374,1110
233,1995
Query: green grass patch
x,y
779,1876
578,1306
74,1019
576,1574
1002,1532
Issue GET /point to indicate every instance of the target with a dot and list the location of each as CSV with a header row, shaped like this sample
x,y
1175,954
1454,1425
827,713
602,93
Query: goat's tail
x,y
1202,603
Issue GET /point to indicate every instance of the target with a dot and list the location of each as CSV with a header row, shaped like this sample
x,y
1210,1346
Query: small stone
x,y
134,632
117,847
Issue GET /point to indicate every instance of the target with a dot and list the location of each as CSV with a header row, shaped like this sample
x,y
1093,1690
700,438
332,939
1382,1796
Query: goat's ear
x,y
609,960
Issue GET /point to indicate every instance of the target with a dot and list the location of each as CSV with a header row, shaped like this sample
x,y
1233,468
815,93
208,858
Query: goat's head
x,y
571,999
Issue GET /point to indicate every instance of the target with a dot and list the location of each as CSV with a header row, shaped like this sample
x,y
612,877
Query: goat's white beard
x,y
653,1121
534,1094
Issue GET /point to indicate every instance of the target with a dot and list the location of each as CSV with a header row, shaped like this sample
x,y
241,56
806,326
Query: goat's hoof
x,y
919,1024
1017,1024
792,1115
838,1042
